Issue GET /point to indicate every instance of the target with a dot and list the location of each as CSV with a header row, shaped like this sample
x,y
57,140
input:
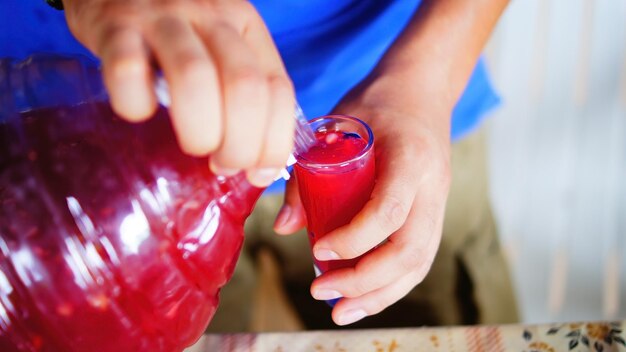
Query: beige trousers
x,y
469,282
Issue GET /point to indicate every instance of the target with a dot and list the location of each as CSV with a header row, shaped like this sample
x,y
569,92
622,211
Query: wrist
x,y
410,104
423,82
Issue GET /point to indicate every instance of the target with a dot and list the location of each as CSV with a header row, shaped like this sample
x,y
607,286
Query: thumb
x,y
291,216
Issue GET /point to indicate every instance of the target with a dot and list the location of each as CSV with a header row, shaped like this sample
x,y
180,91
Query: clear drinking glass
x,y
335,178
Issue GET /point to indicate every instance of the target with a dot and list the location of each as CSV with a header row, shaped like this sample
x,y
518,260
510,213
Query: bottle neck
x,y
238,195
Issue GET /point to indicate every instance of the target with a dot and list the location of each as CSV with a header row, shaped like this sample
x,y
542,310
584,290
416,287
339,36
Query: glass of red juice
x,y
335,179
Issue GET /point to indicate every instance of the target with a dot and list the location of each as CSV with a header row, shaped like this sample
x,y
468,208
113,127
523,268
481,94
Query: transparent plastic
x,y
111,239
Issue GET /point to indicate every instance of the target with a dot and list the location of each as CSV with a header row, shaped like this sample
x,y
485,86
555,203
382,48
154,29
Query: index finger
x,y
127,73
278,136
409,250
386,211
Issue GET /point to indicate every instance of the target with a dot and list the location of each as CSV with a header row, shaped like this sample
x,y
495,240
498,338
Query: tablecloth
x,y
582,336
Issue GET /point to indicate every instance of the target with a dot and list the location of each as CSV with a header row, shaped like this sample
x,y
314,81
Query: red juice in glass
x,y
335,178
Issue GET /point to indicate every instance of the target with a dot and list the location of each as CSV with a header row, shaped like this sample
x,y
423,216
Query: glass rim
x,y
308,164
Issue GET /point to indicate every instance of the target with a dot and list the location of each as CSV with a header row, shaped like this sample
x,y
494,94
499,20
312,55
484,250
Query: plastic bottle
x,y
111,238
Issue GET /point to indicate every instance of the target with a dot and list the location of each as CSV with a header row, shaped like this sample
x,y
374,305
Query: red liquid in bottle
x,y
335,179
111,239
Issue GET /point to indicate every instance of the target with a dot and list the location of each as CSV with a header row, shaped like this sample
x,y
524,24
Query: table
x,y
583,336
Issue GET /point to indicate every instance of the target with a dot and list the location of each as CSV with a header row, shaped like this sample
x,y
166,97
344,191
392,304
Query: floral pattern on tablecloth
x,y
587,336
598,337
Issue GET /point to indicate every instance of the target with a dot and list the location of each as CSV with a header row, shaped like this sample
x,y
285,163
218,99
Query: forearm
x,y
440,46
407,101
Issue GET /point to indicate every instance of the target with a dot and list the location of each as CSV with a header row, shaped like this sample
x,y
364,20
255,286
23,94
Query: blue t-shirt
x,y
327,46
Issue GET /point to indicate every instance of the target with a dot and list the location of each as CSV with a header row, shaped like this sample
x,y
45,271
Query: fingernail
x,y
351,316
218,170
228,172
326,254
283,216
323,295
263,177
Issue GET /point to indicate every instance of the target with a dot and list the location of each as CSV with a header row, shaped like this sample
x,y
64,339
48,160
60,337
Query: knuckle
x,y
123,67
116,9
199,148
377,306
111,33
360,288
349,248
237,158
166,22
277,147
177,6
244,8
113,30
282,87
247,80
393,213
410,260
236,12
194,67
109,18
276,157
170,7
